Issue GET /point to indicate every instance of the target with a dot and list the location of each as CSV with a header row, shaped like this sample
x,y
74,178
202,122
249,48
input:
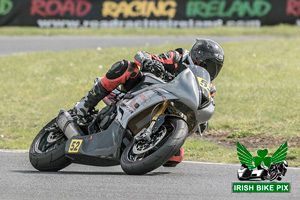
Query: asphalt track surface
x,y
26,44
189,180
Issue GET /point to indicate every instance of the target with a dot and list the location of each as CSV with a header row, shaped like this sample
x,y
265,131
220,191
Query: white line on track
x,y
13,151
211,163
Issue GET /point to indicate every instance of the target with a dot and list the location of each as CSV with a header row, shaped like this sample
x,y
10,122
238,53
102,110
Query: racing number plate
x,y
74,146
205,85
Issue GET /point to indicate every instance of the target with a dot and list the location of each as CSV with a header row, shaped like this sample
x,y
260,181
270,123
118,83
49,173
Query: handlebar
x,y
164,74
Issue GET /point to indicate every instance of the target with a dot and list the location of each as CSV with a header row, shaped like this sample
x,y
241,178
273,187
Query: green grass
x,y
280,30
258,92
239,134
201,150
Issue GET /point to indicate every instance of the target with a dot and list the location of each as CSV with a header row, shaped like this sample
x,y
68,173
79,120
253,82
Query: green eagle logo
x,y
251,162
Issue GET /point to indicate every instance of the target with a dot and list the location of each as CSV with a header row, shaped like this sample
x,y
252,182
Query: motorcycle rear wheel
x,y
166,149
48,156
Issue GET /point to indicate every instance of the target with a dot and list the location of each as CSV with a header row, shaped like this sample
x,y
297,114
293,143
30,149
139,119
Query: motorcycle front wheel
x,y
47,151
133,164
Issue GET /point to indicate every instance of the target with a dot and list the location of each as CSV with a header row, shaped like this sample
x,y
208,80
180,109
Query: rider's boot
x,y
176,159
90,100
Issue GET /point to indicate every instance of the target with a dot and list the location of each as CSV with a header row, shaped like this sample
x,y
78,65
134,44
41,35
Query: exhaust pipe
x,y
66,123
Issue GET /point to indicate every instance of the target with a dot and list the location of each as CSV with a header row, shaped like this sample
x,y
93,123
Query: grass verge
x,y
201,150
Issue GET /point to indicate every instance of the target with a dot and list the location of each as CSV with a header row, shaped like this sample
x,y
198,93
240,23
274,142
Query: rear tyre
x,y
47,151
177,131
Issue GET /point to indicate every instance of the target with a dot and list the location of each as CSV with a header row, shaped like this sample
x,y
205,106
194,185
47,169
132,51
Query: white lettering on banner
x,y
244,23
145,23
57,23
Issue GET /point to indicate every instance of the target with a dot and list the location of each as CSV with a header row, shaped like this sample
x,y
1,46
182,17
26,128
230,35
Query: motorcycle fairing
x,y
184,89
129,108
100,149
206,113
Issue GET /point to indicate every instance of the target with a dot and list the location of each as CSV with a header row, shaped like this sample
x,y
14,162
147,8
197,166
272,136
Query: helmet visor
x,y
212,68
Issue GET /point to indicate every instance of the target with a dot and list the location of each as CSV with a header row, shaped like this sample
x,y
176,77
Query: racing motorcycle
x,y
140,129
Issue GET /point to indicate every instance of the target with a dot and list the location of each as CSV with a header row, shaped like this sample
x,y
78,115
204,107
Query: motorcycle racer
x,y
203,53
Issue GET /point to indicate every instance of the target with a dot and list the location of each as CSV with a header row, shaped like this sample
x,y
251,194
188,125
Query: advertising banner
x,y
148,13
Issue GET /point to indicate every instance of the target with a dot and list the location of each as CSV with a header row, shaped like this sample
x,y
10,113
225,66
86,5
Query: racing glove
x,y
153,66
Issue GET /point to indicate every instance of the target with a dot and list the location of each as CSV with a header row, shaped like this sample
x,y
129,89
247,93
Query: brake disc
x,y
142,146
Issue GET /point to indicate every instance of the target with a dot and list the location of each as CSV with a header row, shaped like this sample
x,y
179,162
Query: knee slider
x,y
117,69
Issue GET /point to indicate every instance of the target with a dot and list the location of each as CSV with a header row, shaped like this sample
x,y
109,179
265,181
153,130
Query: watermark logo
x,y
262,166
260,187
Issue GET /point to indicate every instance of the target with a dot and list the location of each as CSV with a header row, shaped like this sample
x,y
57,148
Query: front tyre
x,y
47,151
177,131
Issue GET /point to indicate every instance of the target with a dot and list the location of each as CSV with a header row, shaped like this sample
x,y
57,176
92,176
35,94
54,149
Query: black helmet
x,y
207,54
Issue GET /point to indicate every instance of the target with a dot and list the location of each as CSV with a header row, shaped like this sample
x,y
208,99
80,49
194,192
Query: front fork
x,y
156,119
